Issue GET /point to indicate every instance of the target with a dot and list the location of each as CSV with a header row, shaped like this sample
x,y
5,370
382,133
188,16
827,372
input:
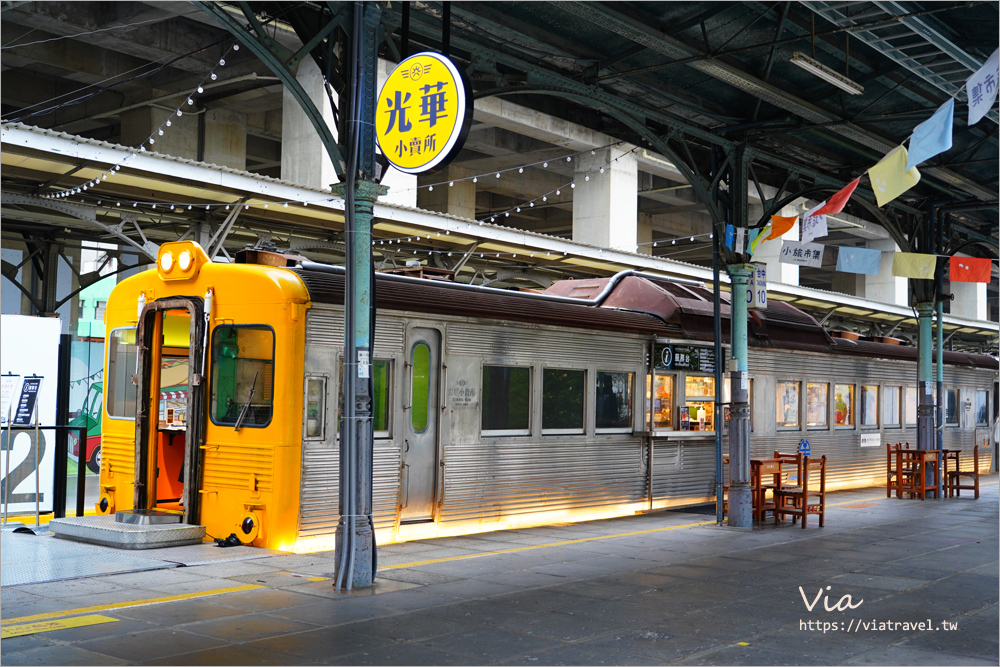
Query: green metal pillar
x,y
740,493
939,425
925,378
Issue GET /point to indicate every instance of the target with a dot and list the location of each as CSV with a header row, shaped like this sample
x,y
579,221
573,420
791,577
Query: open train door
x,y
170,411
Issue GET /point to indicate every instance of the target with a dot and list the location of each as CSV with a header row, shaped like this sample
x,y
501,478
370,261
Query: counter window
x,y
890,407
562,400
662,397
982,407
614,401
869,405
242,375
787,404
699,408
843,405
122,353
817,405
951,407
506,400
910,405
315,407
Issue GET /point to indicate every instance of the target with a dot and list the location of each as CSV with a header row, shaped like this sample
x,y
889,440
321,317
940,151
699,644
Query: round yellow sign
x,y
421,116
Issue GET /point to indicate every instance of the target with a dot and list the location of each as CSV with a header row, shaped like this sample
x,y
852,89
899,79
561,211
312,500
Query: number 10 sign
x,y
757,288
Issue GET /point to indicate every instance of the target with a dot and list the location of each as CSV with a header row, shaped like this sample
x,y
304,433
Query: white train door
x,y
420,442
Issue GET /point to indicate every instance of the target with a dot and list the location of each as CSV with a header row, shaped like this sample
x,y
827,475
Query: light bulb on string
x,y
545,198
545,165
602,170
531,204
587,177
168,123
430,188
180,113
569,159
518,209
520,170
222,61
572,185
475,179
236,47
452,184
673,241
214,76
498,174
692,238
558,192
160,131
152,140
200,89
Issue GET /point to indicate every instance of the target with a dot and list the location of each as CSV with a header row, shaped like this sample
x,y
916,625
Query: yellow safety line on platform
x,y
49,626
125,605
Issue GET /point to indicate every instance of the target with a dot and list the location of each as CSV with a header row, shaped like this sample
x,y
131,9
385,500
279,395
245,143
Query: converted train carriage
x,y
491,408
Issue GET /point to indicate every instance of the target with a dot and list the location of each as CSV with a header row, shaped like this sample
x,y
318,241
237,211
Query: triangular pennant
x,y
838,201
933,136
780,224
890,177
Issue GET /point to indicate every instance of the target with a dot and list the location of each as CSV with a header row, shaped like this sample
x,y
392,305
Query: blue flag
x,y
730,236
931,137
858,260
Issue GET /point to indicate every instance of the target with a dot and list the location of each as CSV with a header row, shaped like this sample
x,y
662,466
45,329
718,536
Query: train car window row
x,y
910,406
843,405
563,396
787,405
951,407
891,407
818,405
613,410
381,372
869,405
122,356
506,402
242,375
982,403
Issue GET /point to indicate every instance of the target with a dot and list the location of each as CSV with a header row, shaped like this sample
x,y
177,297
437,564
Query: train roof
x,y
632,302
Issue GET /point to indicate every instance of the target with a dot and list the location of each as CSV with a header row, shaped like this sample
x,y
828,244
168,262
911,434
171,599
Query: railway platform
x,y
665,587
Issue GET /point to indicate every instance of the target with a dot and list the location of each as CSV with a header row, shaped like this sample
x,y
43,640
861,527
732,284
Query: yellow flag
x,y
764,234
781,224
890,178
913,265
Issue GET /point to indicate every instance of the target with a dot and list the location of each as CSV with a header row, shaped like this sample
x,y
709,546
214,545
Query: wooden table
x,y
912,465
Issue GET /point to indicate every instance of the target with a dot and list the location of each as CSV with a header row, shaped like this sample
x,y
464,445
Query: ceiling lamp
x,y
822,71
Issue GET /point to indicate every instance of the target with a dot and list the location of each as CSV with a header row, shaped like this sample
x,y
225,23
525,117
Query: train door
x,y
169,418
421,430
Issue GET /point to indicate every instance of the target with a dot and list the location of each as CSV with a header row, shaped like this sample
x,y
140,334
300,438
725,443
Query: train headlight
x,y
180,260
185,259
248,527
166,262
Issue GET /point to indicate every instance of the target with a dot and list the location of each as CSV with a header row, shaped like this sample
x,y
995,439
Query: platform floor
x,y
668,587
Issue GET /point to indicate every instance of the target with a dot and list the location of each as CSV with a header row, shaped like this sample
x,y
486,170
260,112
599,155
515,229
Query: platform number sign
x,y
757,288
423,113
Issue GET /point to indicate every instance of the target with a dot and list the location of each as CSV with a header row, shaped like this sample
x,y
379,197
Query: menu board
x,y
686,358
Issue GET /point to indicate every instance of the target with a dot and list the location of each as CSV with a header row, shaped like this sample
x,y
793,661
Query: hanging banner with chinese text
x,y
802,254
423,113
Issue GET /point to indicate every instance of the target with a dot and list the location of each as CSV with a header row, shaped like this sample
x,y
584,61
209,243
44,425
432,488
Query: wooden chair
x,y
766,476
894,472
810,497
956,476
791,464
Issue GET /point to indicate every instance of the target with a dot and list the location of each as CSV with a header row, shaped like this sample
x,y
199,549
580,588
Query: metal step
x,y
106,531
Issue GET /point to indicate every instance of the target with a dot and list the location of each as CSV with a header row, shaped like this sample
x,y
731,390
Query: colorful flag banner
x,y
838,201
933,136
890,177
802,254
981,88
858,260
913,265
969,270
741,234
758,236
730,236
813,225
780,224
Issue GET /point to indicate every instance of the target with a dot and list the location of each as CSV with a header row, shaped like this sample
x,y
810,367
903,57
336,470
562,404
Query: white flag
x,y
813,226
981,88
740,235
802,254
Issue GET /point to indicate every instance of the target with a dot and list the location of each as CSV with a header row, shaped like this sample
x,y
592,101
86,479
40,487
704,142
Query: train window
x,y
787,404
380,397
890,407
506,400
562,400
699,392
420,382
869,405
910,405
662,400
315,407
982,407
843,405
817,405
614,401
122,353
242,375
951,407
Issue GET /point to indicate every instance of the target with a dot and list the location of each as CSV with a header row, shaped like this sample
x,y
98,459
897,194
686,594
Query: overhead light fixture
x,y
817,68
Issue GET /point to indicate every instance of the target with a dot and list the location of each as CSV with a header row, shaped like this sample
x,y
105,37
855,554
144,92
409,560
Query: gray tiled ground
x,y
684,593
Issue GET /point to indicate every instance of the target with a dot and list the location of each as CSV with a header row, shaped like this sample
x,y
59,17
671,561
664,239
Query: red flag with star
x,y
839,201
969,270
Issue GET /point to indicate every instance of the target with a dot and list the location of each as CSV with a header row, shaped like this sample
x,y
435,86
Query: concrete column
x,y
458,199
304,160
852,284
970,300
225,138
644,234
403,187
770,252
605,208
180,139
885,287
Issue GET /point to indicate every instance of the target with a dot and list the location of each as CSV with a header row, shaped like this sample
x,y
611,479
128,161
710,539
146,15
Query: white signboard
x,y
871,439
30,346
802,254
11,386
757,289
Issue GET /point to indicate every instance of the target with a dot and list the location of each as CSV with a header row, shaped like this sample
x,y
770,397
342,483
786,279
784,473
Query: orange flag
x,y
781,224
